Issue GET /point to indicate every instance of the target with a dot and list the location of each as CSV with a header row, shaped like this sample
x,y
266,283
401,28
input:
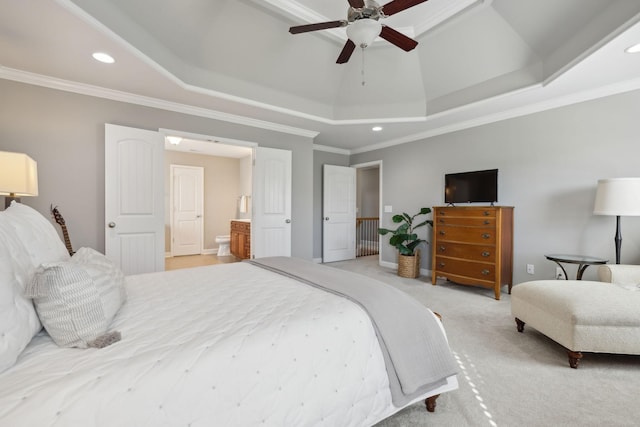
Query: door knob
x,y
326,218
112,224
288,221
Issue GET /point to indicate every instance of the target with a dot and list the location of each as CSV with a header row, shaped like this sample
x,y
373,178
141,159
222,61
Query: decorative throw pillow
x,y
77,300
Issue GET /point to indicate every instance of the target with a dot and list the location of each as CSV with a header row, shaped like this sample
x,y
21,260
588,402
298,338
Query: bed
x,y
241,344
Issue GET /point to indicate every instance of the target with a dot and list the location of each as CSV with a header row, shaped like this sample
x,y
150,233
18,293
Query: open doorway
x,y
226,189
368,208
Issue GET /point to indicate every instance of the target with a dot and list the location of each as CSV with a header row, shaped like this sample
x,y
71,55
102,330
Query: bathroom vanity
x,y
241,238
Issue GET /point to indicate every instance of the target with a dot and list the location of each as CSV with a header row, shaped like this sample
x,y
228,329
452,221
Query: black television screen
x,y
469,187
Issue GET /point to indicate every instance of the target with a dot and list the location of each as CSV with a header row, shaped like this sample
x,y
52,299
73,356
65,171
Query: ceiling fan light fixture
x,y
364,31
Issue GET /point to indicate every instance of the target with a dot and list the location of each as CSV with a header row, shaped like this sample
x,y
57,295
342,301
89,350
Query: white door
x,y
271,223
339,213
134,199
187,196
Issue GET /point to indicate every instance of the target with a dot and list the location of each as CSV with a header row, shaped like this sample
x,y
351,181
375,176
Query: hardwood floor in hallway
x,y
188,261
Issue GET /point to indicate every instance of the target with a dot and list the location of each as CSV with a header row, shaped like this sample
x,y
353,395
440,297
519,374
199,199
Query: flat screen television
x,y
471,187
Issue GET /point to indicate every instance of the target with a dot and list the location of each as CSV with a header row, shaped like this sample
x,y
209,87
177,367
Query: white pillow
x,y
77,300
37,234
18,319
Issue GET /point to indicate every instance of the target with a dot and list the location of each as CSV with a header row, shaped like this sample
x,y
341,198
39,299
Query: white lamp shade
x,y
18,175
618,196
364,31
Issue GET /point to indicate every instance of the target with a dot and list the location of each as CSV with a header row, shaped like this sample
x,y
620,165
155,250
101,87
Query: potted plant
x,y
406,241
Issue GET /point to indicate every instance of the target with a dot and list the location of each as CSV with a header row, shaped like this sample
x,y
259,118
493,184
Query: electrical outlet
x,y
560,274
530,269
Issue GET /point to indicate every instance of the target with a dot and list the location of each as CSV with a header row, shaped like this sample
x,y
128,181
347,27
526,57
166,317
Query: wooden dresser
x,y
473,246
240,239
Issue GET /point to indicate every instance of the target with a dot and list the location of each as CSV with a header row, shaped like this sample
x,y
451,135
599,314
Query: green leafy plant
x,y
404,238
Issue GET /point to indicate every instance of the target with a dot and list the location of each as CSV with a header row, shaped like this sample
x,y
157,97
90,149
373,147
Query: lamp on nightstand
x,y
618,197
18,176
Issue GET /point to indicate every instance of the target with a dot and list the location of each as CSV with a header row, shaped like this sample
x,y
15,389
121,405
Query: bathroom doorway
x,y
227,178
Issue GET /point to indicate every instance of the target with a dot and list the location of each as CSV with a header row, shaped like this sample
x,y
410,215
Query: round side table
x,y
583,262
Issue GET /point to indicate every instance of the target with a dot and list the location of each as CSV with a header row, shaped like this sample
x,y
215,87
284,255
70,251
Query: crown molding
x,y
328,149
130,98
548,104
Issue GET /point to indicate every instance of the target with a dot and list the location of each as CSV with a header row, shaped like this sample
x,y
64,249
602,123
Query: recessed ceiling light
x,y
376,128
633,49
174,140
103,57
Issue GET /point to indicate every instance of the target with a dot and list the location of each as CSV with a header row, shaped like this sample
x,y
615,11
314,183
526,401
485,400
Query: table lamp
x,y
18,176
618,197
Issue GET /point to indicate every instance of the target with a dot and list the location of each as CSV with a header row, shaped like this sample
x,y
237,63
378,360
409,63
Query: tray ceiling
x,y
477,61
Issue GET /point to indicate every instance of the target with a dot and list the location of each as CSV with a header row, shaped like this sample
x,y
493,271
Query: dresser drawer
x,y
472,269
465,212
467,221
470,252
465,234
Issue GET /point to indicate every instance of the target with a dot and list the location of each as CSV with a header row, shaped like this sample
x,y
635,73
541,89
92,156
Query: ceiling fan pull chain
x,y
362,72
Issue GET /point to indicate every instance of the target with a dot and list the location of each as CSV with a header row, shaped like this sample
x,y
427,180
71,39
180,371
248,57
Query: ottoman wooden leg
x,y
574,358
431,403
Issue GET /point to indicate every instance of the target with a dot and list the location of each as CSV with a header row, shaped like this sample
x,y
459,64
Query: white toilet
x,y
223,245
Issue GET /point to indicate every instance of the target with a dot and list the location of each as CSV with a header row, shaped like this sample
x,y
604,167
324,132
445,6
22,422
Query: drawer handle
x,y
442,213
486,213
441,221
485,254
441,232
486,235
487,222
441,264
485,272
442,248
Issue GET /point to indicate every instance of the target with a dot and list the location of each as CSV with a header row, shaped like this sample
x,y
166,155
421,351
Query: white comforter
x,y
227,345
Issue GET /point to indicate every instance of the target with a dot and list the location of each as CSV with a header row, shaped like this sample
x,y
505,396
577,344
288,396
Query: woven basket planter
x,y
409,265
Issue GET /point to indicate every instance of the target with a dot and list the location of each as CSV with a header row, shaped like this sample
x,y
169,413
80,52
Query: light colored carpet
x,y
508,378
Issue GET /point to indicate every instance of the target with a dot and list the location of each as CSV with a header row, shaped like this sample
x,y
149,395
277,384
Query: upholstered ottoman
x,y
582,316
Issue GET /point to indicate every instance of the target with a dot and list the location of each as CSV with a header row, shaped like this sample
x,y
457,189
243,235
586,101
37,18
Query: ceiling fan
x,y
363,25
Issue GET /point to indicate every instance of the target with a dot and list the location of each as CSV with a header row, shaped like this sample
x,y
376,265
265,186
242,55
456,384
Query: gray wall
x,y
64,133
321,158
549,164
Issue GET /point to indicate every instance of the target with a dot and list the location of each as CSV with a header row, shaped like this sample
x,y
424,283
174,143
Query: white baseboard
x,y
388,264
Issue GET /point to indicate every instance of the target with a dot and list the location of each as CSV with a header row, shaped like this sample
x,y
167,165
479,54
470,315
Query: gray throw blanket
x,y
416,354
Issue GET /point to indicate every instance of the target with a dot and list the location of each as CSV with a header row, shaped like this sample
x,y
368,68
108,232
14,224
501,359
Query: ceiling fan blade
x,y
356,4
347,50
394,37
396,6
319,26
